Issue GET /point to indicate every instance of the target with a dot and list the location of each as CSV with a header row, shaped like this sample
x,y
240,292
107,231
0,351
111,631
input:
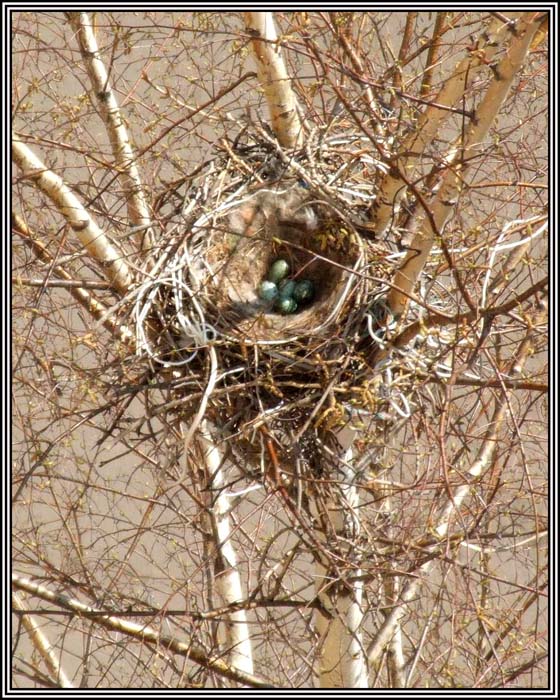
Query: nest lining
x,y
282,221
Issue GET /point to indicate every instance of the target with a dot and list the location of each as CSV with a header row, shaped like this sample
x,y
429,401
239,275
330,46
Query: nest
x,y
259,375
282,221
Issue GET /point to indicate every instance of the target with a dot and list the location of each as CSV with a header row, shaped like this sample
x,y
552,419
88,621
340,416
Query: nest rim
x,y
249,250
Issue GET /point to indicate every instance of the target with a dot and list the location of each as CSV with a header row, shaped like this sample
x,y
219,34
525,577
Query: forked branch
x,y
446,198
433,117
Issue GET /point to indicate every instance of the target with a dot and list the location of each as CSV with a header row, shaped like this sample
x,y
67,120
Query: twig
x,y
142,633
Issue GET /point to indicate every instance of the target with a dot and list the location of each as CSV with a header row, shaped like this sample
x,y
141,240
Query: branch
x,y
141,633
65,284
77,289
437,216
42,644
125,160
227,579
88,232
481,464
395,75
341,660
342,34
433,53
274,79
431,120
434,318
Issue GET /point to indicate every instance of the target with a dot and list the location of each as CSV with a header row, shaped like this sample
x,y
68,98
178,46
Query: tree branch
x,y
274,79
446,198
431,120
142,633
42,644
453,505
88,232
98,310
138,210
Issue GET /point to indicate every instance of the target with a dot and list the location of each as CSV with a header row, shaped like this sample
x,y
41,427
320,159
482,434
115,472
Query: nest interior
x,y
281,221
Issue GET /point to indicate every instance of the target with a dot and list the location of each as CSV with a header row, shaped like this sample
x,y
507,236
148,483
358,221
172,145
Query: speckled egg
x,y
278,270
268,291
286,288
286,305
304,291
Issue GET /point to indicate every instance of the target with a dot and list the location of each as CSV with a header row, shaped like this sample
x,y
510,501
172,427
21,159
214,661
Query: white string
x,y
194,331
507,246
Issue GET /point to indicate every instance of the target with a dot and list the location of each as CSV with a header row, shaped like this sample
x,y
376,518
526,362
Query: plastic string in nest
x,y
300,377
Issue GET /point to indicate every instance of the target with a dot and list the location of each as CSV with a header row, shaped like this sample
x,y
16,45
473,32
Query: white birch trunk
x,y
236,640
88,232
391,584
446,197
138,211
341,661
431,120
273,76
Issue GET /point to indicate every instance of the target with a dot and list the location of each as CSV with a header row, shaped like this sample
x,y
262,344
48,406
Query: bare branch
x,y
446,198
77,289
90,235
433,53
451,509
140,632
433,117
41,643
274,79
125,160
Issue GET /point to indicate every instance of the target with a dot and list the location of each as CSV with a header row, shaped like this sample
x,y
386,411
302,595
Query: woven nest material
x,y
282,221
230,355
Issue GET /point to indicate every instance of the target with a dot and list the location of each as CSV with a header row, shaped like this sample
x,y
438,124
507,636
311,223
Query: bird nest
x,y
229,355
283,221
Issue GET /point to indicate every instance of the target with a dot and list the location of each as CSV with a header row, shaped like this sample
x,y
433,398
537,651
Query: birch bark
x,y
447,195
273,76
393,184
129,175
235,630
88,232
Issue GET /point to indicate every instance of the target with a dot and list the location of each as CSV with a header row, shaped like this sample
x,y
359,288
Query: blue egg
x,y
304,291
278,270
286,305
268,291
286,288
